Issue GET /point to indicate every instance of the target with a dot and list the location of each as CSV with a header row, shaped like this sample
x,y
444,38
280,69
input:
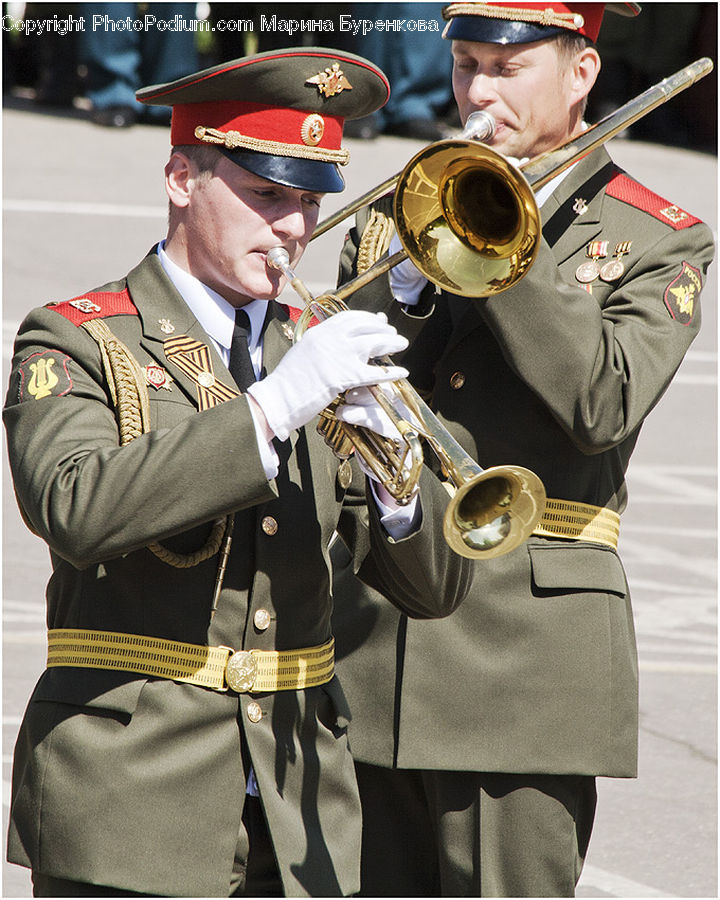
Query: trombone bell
x,y
494,512
467,218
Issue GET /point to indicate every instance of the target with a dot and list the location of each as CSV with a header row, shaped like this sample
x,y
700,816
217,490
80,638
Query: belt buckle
x,y
240,670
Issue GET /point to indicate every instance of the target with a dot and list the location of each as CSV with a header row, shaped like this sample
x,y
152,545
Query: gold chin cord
x,y
468,220
491,511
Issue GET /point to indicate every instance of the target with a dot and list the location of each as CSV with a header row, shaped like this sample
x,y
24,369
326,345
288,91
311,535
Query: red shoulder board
x,y
96,305
623,188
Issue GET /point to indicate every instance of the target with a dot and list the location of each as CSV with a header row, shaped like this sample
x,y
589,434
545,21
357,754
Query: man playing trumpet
x,y
188,737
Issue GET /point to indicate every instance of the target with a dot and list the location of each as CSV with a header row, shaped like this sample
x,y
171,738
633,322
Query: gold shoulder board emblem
x,y
330,81
85,305
674,213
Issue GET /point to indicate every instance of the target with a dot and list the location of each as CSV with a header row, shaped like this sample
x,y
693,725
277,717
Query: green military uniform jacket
x,y
537,671
138,782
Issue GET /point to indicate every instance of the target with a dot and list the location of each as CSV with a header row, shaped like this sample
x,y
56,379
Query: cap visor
x,y
497,31
304,174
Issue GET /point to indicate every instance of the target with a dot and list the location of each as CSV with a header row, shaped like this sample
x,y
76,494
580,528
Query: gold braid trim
x,y
128,389
548,16
233,140
376,235
125,380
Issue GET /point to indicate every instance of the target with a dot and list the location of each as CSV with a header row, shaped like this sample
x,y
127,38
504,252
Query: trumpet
x,y
491,511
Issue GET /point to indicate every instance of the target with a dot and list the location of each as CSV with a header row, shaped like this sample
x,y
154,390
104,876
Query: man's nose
x,y
482,90
291,221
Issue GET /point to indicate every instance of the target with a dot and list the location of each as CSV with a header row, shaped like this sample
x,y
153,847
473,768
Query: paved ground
x,y
83,204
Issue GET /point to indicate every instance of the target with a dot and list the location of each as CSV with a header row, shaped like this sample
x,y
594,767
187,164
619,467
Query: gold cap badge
x,y
312,129
330,81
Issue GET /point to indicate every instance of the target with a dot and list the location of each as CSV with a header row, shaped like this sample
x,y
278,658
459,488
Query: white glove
x,y
331,358
406,282
360,408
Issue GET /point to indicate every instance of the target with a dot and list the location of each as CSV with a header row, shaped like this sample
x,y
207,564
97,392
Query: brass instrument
x,y
467,217
480,126
491,512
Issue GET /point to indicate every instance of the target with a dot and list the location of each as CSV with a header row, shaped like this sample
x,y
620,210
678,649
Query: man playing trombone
x,y
478,738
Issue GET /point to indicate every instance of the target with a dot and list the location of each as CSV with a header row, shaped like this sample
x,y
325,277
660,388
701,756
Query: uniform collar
x,y
213,312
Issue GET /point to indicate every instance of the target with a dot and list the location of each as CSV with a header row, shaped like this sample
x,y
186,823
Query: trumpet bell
x,y
494,512
467,218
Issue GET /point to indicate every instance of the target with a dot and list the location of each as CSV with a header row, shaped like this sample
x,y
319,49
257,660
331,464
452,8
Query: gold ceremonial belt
x,y
218,668
579,521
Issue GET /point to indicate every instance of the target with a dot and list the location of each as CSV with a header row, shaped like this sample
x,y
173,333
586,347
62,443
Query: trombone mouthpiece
x,y
278,258
480,126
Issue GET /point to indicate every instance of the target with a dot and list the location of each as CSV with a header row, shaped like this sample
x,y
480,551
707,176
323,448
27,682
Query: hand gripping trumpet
x,y
491,511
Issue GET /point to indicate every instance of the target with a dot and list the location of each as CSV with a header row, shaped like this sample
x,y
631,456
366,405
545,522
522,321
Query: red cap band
x,y
256,120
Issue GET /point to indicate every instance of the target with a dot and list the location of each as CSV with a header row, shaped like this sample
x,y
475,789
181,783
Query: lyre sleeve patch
x,y
44,374
682,293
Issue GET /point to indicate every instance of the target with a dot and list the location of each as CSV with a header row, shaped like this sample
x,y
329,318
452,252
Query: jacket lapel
x,y
165,316
565,226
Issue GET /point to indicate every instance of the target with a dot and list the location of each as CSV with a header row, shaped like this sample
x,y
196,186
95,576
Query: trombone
x,y
468,220
467,217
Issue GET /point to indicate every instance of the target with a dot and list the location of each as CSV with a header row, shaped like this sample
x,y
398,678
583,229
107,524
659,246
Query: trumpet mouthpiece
x,y
278,258
480,126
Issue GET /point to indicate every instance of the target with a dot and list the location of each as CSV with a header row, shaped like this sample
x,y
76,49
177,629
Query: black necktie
x,y
240,365
242,527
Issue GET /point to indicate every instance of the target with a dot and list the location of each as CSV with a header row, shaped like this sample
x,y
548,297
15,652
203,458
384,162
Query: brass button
x,y
262,619
457,380
344,475
269,525
254,713
240,671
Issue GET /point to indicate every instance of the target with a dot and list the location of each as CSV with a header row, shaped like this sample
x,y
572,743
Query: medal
x,y
590,270
614,269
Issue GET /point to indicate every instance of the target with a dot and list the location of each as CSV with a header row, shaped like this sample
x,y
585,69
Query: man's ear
x,y
586,67
179,179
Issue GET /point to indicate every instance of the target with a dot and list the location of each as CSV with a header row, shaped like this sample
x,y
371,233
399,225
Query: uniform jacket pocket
x,y
115,692
560,567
